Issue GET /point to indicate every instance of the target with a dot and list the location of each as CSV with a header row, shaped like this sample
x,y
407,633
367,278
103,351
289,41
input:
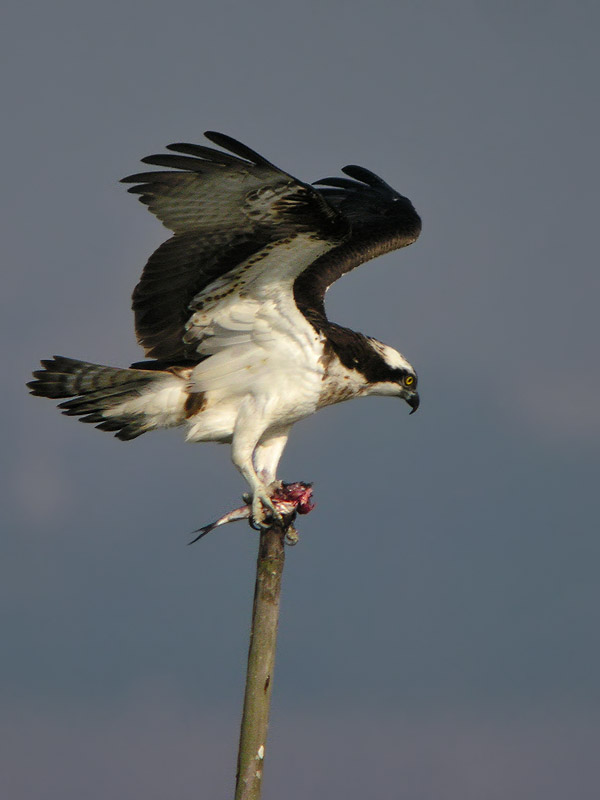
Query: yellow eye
x,y
409,380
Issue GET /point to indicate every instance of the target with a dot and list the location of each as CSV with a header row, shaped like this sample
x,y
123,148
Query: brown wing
x,y
380,220
223,209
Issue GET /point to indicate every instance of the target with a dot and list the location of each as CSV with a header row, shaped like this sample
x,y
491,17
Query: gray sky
x,y
441,610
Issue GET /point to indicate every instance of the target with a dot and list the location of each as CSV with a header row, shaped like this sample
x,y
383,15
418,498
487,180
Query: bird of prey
x,y
230,310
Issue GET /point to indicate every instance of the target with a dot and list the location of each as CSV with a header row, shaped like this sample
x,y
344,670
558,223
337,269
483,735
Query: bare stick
x,y
261,662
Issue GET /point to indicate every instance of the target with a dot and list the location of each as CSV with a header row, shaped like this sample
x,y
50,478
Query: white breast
x,y
258,342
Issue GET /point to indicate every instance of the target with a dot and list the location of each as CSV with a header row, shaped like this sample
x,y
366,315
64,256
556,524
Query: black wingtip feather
x,y
175,162
339,183
152,177
368,177
234,146
206,153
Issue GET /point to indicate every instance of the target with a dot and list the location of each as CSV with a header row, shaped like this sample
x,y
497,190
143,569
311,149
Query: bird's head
x,y
392,375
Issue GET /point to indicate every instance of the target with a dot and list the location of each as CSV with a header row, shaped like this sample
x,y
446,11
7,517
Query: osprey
x,y
230,310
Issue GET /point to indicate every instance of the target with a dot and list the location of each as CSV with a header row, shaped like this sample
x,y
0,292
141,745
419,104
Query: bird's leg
x,y
264,513
267,455
265,459
249,428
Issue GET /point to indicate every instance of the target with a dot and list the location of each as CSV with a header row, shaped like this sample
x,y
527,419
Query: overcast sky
x,y
440,613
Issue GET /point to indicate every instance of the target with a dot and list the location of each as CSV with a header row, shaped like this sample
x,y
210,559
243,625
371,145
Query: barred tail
x,y
126,401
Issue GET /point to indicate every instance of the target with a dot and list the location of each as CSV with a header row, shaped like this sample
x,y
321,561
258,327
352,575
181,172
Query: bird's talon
x,y
264,513
291,536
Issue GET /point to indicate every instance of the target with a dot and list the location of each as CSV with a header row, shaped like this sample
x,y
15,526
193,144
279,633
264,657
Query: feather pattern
x,y
223,209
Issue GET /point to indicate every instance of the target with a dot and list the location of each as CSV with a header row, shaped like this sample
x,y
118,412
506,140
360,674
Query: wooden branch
x,y
261,662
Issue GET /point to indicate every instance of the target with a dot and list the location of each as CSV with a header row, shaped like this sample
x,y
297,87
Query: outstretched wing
x,y
225,209
380,219
372,206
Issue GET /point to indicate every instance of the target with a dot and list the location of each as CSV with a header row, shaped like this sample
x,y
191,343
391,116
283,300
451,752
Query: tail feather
x,y
114,399
66,377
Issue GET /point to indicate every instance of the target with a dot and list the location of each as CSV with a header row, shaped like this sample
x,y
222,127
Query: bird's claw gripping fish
x,y
289,499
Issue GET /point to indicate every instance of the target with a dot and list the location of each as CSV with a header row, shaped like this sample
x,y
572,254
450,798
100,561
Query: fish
x,y
289,499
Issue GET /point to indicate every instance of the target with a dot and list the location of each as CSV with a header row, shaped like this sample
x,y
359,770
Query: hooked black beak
x,y
413,401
